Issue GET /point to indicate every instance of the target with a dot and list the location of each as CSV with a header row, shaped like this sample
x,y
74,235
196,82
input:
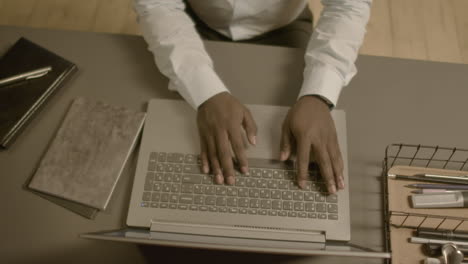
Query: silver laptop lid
x,y
171,127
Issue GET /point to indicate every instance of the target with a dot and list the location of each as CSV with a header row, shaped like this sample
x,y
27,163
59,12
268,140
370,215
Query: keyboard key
x,y
159,176
210,200
243,192
190,159
221,201
276,194
210,190
312,215
179,158
148,185
166,187
277,205
152,165
240,182
309,196
273,213
220,190
172,206
182,207
251,183
154,205
190,178
333,217
167,177
272,184
319,198
310,207
267,174
254,193
231,191
144,204
185,199
173,198
293,186
213,209
160,167
265,194
203,208
243,202
243,211
155,197
322,216
207,179
231,202
321,208
278,174
265,204
162,156
233,210
178,168
287,205
163,205
332,208
168,167
187,188
146,196
262,183
222,209
198,189
164,197
290,175
286,195
199,199
257,173
298,206
292,214
302,214
176,177
332,198
153,156
193,169
282,213
283,185
157,187
252,211
262,212
150,176
298,196
254,203
193,207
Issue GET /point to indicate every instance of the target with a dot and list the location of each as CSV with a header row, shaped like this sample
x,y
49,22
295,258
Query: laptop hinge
x,y
238,231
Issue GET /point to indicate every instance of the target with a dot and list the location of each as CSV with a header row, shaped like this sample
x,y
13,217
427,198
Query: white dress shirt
x,y
180,55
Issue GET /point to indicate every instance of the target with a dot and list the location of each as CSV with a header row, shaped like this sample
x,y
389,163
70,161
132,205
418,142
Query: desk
x,y
389,101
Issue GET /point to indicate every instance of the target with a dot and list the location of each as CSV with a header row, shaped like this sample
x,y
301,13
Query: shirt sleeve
x,y
333,48
178,49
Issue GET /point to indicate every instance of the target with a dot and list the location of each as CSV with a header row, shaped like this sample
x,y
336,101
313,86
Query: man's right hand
x,y
220,122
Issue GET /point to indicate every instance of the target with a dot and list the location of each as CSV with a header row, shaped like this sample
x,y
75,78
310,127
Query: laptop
x,y
174,204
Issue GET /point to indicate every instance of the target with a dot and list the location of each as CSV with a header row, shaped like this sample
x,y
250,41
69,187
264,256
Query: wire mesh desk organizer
x,y
402,165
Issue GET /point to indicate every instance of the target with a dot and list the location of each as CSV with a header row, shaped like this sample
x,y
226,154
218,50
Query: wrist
x,y
318,98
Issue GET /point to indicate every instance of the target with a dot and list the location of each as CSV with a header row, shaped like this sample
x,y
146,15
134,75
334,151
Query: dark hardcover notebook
x,y
19,101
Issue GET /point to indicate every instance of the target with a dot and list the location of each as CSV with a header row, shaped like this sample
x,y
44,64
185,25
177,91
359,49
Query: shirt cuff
x,y
321,80
198,85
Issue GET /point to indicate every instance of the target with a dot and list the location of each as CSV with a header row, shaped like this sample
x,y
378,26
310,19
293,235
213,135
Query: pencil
x,y
438,186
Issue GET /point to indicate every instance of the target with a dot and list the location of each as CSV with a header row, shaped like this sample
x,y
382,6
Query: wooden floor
x,y
435,30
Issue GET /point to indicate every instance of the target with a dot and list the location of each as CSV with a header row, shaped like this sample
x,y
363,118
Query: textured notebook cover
x,y
88,153
21,100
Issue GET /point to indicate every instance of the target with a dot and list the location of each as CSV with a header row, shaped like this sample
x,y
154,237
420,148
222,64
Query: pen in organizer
x,y
450,177
38,73
458,187
426,179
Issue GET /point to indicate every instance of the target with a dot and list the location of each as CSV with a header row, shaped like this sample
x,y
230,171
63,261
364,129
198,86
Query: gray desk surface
x,y
389,101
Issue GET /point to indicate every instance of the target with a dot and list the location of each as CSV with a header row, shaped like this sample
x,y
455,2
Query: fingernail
x,y
244,169
301,184
231,180
341,184
205,169
283,156
254,140
332,189
219,179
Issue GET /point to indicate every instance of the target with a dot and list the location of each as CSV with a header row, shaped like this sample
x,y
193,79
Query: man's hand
x,y
309,128
220,121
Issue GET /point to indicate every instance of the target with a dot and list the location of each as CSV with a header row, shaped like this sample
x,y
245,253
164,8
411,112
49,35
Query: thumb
x,y
250,127
285,145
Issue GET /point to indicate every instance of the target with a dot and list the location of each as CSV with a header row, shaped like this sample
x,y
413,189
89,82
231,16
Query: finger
x,y
204,155
224,156
303,151
323,159
337,163
213,157
237,143
286,143
250,127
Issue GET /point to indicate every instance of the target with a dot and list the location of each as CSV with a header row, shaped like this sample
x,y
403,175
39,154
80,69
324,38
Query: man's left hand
x,y
309,128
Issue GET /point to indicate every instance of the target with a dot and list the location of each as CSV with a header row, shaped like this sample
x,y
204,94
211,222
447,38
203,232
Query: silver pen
x,y
38,73
451,177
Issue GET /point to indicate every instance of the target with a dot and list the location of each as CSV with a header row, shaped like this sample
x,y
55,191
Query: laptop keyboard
x,y
175,181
